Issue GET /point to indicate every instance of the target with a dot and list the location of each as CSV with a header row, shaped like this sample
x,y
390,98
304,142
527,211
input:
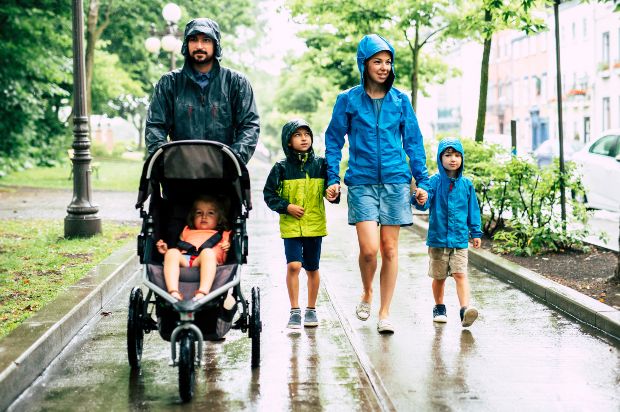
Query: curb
x,y
567,300
29,349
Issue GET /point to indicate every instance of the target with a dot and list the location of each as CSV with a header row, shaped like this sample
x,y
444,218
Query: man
x,y
203,100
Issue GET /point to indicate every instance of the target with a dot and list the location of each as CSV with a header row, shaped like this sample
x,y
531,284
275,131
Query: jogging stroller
x,y
172,177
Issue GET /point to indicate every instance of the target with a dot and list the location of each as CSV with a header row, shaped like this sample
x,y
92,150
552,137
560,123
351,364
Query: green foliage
x,y
34,38
520,203
30,280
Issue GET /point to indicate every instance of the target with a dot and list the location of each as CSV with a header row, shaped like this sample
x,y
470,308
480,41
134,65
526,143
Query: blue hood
x,y
370,45
456,145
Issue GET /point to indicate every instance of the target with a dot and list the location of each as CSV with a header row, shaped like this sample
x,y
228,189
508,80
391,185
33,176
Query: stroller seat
x,y
190,277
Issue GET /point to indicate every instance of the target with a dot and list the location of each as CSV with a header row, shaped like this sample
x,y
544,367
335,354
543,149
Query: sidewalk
x,y
581,307
27,352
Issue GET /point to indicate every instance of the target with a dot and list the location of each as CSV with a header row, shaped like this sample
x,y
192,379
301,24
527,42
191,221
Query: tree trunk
x,y
484,83
415,52
617,271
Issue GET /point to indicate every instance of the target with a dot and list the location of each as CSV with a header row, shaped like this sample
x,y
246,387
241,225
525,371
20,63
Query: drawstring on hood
x,y
370,45
204,26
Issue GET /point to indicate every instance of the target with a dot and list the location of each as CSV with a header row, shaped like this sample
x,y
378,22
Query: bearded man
x,y
203,100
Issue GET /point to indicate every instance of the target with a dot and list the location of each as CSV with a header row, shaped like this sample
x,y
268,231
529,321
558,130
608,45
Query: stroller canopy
x,y
194,160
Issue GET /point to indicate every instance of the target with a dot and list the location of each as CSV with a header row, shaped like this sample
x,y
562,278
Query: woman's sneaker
x,y
294,321
468,315
310,318
439,314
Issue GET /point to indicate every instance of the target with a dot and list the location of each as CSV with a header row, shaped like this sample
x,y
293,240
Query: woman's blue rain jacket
x,y
378,149
454,215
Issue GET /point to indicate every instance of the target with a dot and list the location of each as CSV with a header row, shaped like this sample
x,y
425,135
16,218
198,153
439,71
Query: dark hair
x,y
221,205
449,149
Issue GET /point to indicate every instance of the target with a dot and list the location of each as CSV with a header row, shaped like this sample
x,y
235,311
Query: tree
x,y
35,79
339,25
480,20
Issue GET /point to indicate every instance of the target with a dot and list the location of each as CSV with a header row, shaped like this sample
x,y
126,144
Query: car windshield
x,y
606,146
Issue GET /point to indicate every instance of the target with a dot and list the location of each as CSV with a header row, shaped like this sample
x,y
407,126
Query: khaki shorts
x,y
446,261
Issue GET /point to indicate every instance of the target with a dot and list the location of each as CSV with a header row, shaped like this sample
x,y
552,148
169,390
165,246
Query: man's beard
x,y
207,60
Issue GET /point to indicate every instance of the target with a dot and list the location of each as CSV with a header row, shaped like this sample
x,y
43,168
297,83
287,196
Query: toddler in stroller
x,y
194,178
203,243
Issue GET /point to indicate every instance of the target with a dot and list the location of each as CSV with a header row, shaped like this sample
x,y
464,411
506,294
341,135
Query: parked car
x,y
599,163
550,149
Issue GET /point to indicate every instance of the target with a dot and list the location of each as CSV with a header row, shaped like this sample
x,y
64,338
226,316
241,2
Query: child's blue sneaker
x,y
439,314
468,315
294,321
310,318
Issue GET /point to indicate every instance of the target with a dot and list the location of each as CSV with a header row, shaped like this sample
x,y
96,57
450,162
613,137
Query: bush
x,y
520,203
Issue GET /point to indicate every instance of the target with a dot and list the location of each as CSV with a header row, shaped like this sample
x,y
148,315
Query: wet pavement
x,y
519,355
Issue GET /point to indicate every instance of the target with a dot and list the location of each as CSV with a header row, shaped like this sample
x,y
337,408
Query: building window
x,y
586,129
606,113
585,28
605,51
574,30
543,85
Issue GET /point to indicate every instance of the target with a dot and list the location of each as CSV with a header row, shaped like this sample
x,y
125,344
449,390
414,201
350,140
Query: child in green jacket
x,y
295,188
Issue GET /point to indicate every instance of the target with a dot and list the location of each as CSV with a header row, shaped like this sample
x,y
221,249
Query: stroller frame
x,y
168,163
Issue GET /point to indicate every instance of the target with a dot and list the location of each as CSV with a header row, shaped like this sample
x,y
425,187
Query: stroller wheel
x,y
187,373
135,332
255,327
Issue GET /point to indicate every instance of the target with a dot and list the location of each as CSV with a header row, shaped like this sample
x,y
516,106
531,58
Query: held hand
x,y
162,247
332,192
477,242
421,196
295,211
225,245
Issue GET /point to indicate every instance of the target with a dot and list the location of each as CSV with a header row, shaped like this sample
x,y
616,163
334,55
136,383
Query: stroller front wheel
x,y
135,332
187,373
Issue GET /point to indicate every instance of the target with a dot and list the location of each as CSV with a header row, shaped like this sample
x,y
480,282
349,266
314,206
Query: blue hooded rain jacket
x,y
454,215
378,149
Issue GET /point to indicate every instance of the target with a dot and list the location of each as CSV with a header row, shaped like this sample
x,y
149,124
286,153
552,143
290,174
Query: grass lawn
x,y
37,263
113,174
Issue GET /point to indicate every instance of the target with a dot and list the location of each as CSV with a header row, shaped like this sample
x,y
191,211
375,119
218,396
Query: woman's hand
x,y
421,196
332,192
162,247
295,211
225,245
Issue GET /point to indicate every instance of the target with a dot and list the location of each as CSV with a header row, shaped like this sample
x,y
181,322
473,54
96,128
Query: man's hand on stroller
x,y
295,211
162,247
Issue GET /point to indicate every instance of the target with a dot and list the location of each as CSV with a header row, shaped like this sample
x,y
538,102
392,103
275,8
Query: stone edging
x,y
29,349
577,305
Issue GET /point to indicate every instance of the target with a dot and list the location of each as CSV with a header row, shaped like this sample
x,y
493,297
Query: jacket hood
x,y
370,45
207,27
456,145
287,132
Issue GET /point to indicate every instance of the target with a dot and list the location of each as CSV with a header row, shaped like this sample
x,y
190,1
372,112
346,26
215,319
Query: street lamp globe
x,y
178,46
169,43
152,44
171,12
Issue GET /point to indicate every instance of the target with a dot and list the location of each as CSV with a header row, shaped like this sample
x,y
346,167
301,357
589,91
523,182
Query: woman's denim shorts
x,y
386,204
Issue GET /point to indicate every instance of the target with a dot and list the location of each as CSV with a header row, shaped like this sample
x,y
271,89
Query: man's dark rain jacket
x,y
224,111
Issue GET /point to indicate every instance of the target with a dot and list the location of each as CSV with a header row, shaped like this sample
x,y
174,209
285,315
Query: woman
x,y
382,130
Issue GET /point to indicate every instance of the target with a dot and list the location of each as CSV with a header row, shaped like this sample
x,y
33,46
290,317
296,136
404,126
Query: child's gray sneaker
x,y
310,319
468,315
294,321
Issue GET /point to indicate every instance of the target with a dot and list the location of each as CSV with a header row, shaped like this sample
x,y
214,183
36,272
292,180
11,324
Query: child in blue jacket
x,y
454,218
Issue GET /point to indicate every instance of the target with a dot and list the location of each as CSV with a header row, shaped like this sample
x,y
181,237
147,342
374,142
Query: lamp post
x,y
169,40
82,219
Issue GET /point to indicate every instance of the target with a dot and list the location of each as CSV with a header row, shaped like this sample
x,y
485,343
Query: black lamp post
x,y
82,219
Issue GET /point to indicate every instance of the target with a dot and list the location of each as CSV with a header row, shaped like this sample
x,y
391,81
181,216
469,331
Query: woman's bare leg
x,y
368,239
389,267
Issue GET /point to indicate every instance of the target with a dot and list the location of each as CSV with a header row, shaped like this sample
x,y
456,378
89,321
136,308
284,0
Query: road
x,y
519,355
